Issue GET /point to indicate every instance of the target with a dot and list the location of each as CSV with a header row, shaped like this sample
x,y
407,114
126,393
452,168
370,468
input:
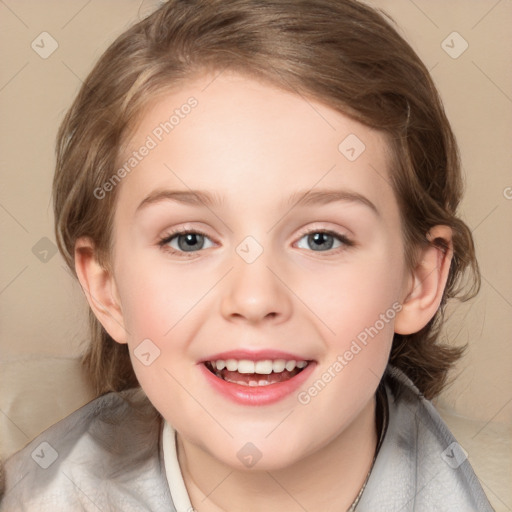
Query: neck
x,y
328,480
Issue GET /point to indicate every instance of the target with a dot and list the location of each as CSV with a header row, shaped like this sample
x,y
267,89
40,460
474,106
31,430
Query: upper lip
x,y
255,355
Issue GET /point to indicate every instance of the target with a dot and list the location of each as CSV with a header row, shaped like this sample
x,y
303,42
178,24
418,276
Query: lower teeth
x,y
251,382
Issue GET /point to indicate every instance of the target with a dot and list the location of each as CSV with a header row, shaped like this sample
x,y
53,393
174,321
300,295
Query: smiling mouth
x,y
255,373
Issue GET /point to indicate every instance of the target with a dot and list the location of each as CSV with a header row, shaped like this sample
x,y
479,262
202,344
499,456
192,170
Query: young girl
x,y
259,200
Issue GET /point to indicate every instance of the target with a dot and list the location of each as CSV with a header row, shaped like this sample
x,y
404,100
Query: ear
x,y
426,285
100,289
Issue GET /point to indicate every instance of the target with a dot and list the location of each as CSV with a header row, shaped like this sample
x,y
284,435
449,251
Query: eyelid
x,y
163,241
343,238
180,231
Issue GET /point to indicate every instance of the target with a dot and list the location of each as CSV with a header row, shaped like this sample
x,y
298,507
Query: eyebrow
x,y
191,197
300,198
328,196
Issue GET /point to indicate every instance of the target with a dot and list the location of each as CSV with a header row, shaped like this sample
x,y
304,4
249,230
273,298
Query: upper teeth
x,y
264,367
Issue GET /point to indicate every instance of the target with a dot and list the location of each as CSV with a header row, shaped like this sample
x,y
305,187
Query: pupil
x,y
323,241
190,242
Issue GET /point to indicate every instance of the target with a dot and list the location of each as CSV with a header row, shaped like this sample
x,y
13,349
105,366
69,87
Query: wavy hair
x,y
340,52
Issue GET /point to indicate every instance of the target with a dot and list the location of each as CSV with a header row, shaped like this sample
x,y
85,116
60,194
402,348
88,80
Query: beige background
x,y
42,313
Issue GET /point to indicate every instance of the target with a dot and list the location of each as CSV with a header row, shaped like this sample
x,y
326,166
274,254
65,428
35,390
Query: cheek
x,y
353,296
163,310
358,310
156,297
159,308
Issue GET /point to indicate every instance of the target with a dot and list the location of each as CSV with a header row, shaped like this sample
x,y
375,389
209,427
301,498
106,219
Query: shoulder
x,y
420,466
106,455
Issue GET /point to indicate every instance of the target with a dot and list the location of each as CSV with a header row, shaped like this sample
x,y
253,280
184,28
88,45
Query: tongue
x,y
246,378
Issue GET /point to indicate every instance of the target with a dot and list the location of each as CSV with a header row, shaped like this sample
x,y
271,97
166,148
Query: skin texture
x,y
259,149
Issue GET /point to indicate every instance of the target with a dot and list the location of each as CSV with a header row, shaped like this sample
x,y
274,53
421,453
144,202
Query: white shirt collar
x,y
177,487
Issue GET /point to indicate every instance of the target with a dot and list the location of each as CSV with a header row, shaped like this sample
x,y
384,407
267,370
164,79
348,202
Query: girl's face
x,y
258,231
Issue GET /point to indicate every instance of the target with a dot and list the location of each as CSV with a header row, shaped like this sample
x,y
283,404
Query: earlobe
x,y
427,283
100,289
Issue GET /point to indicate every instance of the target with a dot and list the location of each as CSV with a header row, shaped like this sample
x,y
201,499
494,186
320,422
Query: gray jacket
x,y
107,456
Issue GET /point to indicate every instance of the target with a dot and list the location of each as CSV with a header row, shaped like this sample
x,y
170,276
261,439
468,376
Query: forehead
x,y
243,139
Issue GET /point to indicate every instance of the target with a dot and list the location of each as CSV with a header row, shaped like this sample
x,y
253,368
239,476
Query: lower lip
x,y
257,395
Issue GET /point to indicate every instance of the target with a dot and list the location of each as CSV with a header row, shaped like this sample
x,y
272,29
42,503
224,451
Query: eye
x,y
320,241
186,241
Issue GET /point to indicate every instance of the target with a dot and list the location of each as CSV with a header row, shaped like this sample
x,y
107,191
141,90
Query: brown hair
x,y
340,52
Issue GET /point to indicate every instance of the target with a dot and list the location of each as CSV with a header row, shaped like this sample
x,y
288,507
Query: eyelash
x,y
173,234
345,241
163,243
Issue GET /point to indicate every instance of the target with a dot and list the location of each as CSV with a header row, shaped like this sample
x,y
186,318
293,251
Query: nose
x,y
255,293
